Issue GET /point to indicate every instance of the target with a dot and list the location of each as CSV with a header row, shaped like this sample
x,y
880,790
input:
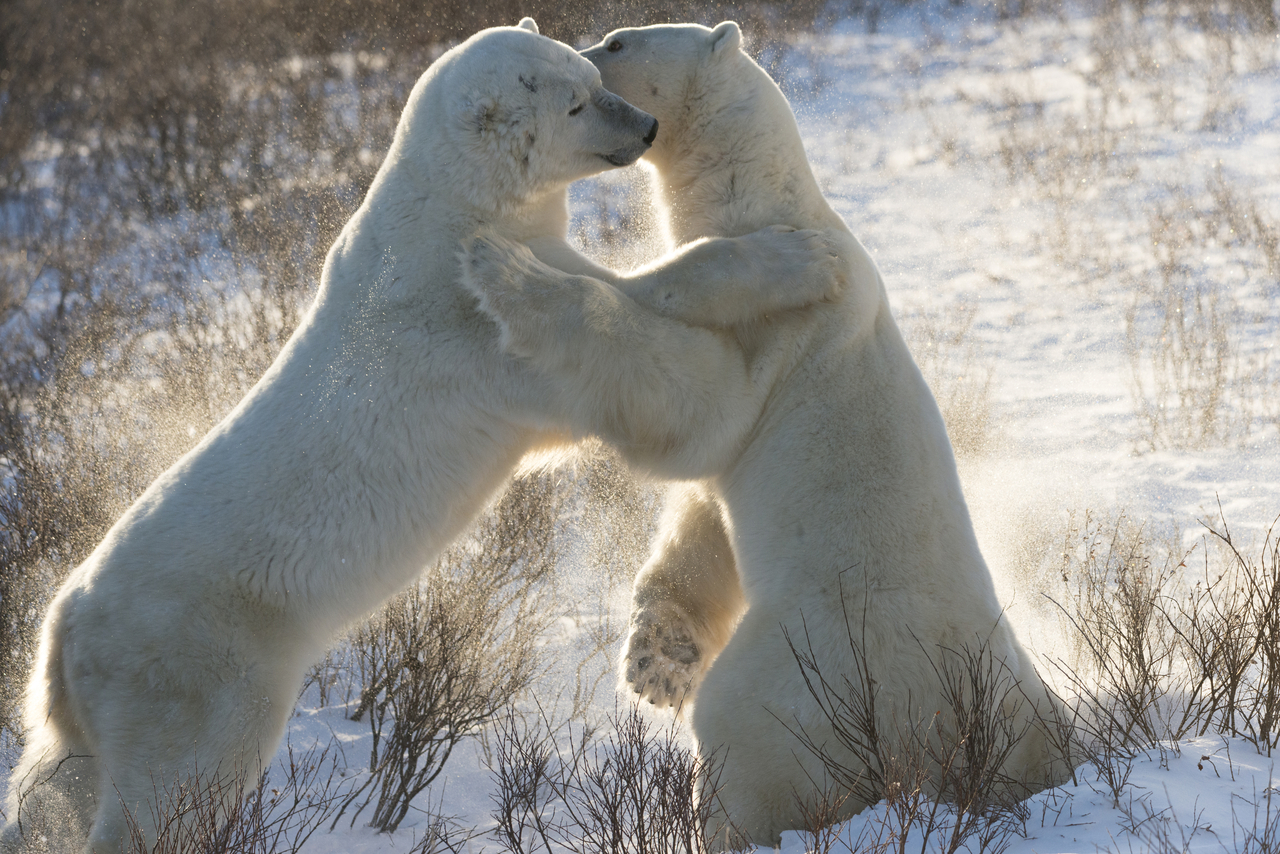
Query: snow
x,y
1200,795
909,131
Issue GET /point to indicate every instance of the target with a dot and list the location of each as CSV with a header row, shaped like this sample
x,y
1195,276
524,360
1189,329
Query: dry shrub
x,y
1129,688
1063,158
1194,260
220,813
1167,643
633,791
1165,651
940,777
1203,376
1259,831
443,658
1124,643
1255,826
1237,645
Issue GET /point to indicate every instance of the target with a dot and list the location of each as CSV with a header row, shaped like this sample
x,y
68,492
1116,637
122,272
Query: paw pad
x,y
663,659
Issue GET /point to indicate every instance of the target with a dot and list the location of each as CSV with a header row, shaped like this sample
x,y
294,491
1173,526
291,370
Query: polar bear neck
x,y
391,217
744,150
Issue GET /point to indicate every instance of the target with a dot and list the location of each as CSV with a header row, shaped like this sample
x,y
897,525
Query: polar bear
x,y
838,521
388,421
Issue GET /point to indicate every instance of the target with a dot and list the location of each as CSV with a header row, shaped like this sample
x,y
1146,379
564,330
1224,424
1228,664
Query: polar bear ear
x,y
725,37
529,24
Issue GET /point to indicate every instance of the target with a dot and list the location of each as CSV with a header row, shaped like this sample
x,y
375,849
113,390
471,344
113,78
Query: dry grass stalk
x,y
218,813
957,373
941,777
633,791
442,659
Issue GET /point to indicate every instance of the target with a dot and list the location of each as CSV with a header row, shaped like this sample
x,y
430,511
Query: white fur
x,y
841,498
387,422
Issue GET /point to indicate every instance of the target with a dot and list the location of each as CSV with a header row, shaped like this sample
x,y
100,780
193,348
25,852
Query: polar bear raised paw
x,y
664,661
803,257
491,262
524,296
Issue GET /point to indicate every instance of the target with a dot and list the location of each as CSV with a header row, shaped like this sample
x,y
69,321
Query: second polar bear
x,y
387,422
844,524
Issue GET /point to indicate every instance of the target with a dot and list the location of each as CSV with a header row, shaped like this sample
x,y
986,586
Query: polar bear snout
x,y
634,128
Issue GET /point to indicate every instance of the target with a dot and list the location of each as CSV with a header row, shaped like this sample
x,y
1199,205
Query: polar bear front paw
x,y
494,267
499,273
663,661
804,259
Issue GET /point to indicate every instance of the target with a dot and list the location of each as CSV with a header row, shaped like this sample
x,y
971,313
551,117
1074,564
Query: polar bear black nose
x,y
653,133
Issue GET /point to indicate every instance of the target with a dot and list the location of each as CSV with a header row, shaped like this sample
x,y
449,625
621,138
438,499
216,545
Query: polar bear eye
x,y
576,110
614,46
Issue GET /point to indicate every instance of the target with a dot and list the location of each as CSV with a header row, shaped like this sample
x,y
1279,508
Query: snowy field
x,y
1077,220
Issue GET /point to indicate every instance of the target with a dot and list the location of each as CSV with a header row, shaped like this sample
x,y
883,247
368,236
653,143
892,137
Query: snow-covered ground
x,y
1200,795
1033,191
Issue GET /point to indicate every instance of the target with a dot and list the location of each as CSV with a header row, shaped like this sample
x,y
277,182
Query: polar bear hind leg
x,y
686,602
233,727
764,782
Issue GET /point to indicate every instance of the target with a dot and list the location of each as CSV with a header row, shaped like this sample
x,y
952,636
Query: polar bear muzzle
x,y
635,129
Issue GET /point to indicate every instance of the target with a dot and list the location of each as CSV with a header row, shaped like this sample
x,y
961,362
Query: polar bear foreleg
x,y
723,281
673,398
685,603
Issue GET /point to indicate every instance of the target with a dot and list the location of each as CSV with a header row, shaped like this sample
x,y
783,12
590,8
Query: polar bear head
x,y
509,115
665,68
